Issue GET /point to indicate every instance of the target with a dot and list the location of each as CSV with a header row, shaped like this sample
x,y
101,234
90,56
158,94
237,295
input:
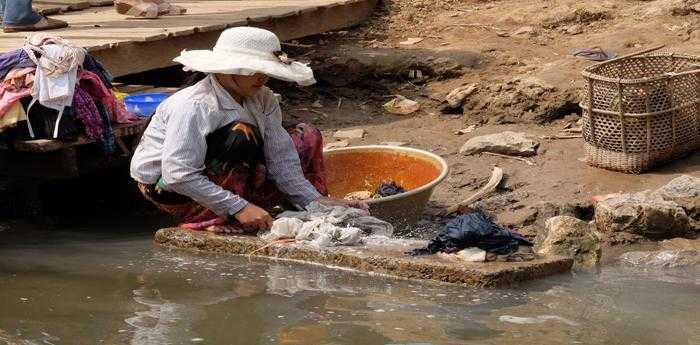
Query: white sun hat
x,y
246,50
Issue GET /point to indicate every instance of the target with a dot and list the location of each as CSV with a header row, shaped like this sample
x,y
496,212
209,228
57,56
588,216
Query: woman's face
x,y
244,85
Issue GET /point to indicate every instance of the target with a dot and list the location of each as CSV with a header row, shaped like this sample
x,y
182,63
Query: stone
x,y
680,243
393,143
336,144
574,29
569,236
350,134
526,30
662,258
456,97
684,191
645,213
401,105
507,143
380,257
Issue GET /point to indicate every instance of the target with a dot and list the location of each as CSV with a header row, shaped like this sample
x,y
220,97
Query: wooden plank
x,y
69,4
48,145
98,3
127,46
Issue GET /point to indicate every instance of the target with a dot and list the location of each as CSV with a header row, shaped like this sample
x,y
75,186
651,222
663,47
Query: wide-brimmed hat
x,y
245,51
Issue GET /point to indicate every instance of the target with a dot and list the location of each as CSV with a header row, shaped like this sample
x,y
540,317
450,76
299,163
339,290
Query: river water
x,y
115,286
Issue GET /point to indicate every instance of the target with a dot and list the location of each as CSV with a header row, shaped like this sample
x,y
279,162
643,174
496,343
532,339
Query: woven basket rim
x,y
590,71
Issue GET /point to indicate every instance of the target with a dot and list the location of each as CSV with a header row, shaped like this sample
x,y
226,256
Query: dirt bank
x,y
518,55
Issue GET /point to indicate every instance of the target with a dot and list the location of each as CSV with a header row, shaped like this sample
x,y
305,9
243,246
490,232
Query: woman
x,y
216,152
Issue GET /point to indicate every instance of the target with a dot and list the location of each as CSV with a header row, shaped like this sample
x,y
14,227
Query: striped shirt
x,y
174,145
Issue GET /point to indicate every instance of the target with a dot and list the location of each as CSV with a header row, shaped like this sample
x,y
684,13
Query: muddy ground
x,y
519,56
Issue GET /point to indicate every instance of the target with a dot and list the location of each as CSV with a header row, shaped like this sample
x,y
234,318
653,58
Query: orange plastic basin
x,y
363,168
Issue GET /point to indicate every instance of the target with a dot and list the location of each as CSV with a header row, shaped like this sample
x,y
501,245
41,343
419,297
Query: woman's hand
x,y
254,218
324,200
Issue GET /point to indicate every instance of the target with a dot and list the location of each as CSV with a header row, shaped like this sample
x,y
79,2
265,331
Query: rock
x,y
684,191
337,145
645,213
663,258
507,143
393,143
680,243
526,30
317,104
574,29
350,134
401,106
569,236
456,97
411,41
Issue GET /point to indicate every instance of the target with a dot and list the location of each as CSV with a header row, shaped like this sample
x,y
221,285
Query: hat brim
x,y
209,61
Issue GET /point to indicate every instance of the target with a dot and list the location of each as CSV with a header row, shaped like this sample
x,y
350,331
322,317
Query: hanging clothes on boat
x,y
473,230
12,116
93,84
86,112
108,141
57,64
93,65
43,120
16,85
17,58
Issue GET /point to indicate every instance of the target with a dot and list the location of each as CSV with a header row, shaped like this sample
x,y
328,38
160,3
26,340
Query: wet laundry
x,y
388,188
474,230
324,226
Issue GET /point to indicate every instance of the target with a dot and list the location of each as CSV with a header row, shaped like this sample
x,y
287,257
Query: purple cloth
x,y
13,59
87,114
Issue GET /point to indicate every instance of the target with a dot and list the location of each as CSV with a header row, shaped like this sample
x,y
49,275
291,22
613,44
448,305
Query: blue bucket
x,y
145,104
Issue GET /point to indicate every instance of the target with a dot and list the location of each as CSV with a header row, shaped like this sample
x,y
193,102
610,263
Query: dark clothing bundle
x,y
388,188
473,230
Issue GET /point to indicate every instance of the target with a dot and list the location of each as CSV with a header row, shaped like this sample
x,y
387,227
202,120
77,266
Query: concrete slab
x,y
376,258
128,46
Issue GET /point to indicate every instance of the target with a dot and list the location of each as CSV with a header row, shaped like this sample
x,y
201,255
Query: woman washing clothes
x,y
216,154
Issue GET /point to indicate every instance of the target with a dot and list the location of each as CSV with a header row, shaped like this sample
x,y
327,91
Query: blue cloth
x,y
19,12
474,230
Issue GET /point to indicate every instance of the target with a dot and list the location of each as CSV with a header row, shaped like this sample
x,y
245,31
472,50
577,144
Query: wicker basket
x,y
641,110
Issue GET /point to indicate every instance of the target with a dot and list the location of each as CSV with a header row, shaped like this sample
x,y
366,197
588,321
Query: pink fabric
x,y
17,85
93,85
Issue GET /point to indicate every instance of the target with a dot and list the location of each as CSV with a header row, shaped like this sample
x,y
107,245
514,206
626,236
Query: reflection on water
x,y
116,287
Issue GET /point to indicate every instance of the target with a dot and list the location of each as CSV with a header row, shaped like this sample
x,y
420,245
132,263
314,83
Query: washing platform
x,y
381,258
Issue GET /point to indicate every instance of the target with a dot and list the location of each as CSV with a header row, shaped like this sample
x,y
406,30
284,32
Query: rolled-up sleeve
x,y
184,151
282,159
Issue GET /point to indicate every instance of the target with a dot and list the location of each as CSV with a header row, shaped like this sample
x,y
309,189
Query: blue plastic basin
x,y
144,104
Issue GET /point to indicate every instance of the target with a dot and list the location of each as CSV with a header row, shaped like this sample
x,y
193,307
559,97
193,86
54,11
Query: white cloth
x,y
56,73
324,226
246,51
319,233
343,217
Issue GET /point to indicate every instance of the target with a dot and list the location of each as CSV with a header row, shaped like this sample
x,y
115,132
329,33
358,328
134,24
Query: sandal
x,y
594,54
43,24
137,9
